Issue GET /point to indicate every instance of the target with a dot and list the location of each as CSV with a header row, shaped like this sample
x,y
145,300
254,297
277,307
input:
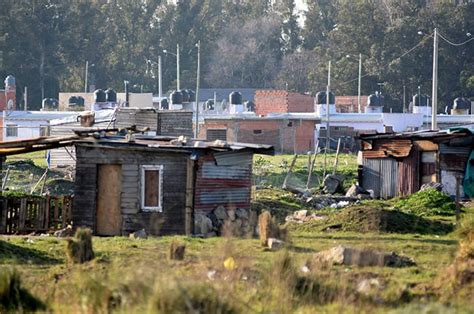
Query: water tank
x,y
10,81
461,103
249,106
99,96
80,100
185,94
375,100
321,98
50,103
235,98
176,98
191,95
110,95
209,104
72,100
164,104
421,100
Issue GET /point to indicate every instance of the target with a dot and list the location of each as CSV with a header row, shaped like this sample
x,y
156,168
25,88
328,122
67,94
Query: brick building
x,y
281,101
287,133
8,95
348,104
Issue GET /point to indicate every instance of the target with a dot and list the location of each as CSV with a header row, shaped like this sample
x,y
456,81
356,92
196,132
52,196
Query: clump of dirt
x,y
375,218
429,202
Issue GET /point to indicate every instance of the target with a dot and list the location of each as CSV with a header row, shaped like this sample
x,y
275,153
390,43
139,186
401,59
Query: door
x,y
109,188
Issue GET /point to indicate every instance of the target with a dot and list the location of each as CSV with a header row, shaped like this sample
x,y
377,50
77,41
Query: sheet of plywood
x,y
109,188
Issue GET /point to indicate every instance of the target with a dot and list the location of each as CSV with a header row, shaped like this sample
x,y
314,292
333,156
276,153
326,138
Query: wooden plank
x,y
189,210
424,145
3,215
109,184
22,215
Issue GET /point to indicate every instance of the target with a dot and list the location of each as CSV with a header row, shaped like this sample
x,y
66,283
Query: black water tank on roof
x,y
80,100
99,96
421,100
176,98
164,104
110,95
321,98
375,100
461,103
250,106
209,104
191,95
235,98
185,94
72,100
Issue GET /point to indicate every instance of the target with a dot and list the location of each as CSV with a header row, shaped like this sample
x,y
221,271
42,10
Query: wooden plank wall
x,y
170,221
142,118
175,123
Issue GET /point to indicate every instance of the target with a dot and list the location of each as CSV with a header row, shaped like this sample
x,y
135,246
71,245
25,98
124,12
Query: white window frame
x,y
158,208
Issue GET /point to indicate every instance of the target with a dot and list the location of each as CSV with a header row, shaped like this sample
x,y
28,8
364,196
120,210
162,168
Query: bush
x,y
429,202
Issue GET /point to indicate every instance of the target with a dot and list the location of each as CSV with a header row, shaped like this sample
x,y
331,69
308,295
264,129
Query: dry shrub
x,y
13,297
189,298
269,228
177,251
79,250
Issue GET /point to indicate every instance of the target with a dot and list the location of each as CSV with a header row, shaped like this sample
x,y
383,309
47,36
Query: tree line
x,y
244,43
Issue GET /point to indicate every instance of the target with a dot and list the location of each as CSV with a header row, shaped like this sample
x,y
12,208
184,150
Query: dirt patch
x,y
373,218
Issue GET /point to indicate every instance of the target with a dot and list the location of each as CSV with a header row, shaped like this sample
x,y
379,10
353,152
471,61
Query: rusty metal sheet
x,y
233,158
222,196
453,158
389,148
408,174
212,171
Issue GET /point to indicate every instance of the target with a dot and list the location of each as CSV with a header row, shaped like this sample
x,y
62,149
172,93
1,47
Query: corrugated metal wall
x,y
381,176
409,174
223,179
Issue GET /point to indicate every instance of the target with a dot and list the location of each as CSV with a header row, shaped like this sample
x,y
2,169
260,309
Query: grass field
x,y
136,275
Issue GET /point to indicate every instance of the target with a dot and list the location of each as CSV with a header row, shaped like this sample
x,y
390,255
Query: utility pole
x,y
434,95
25,98
197,88
85,78
328,90
404,96
360,82
177,68
160,89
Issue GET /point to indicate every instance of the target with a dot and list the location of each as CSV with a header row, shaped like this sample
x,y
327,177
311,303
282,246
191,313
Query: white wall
x,y
26,129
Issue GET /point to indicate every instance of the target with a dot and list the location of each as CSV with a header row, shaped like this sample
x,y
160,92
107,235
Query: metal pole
x,y
404,96
197,88
25,95
434,95
85,78
160,86
177,67
328,90
360,82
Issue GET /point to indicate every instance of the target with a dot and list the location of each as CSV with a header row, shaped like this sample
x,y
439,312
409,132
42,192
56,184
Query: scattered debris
x,y
340,255
177,251
65,232
432,185
275,244
140,234
366,286
332,183
357,191
229,263
301,216
79,250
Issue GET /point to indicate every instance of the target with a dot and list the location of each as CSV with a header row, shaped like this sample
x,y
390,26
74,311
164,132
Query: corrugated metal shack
x,y
158,184
397,164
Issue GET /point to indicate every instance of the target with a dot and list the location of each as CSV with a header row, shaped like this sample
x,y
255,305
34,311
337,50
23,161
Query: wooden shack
x,y
158,184
398,164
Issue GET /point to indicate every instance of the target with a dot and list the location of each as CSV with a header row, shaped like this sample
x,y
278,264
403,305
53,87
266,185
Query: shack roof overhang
x,y
435,135
168,144
35,144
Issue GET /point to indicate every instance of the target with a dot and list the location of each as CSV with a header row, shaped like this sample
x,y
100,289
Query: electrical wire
x,y
383,66
454,44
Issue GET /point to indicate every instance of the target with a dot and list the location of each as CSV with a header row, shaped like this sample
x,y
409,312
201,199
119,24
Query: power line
x,y
399,57
454,44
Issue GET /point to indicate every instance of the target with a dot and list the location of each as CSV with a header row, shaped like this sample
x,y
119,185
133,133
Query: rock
x,y
241,213
177,251
231,214
202,224
355,190
275,244
220,212
340,255
332,183
300,214
140,234
365,286
65,232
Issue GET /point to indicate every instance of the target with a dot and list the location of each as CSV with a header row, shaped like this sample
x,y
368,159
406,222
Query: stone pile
x,y
226,222
301,216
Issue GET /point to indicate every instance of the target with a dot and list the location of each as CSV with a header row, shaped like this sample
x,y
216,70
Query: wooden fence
x,y
21,215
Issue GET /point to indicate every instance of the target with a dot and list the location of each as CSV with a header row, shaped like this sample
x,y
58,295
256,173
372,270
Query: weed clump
x,y
269,228
79,250
176,251
189,298
374,218
13,297
429,202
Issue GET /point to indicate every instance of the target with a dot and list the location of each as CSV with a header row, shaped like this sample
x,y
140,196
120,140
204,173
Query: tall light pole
x,y
198,45
160,84
85,77
177,64
328,90
434,90
359,104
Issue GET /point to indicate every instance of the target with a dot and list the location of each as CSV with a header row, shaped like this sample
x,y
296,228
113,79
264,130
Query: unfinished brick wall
x,y
281,101
350,103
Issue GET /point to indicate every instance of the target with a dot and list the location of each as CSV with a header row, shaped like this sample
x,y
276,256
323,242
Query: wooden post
x,y
290,170
189,209
310,171
5,179
46,213
458,198
337,155
22,215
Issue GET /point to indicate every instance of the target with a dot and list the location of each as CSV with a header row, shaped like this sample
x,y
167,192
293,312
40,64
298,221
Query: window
x,y
12,130
43,130
257,132
151,188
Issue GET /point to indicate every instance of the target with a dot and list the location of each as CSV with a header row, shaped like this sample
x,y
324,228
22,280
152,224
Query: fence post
x,y
3,214
22,215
